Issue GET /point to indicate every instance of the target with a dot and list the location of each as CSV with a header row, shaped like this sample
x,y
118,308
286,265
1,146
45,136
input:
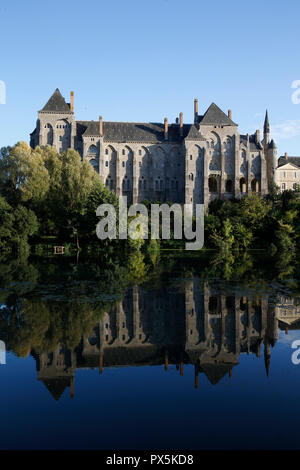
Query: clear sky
x,y
138,60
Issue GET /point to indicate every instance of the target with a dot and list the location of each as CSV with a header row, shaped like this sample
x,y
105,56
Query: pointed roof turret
x,y
267,124
267,356
56,104
215,116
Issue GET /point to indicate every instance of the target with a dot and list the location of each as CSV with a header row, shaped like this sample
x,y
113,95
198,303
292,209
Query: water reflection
x,y
192,322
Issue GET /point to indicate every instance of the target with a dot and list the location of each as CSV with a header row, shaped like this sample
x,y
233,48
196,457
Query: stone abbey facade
x,y
175,162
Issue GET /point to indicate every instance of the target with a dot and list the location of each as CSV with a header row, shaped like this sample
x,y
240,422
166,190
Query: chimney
x,y
177,120
101,126
195,109
166,361
286,155
72,100
72,387
101,363
196,377
257,136
230,114
181,124
166,128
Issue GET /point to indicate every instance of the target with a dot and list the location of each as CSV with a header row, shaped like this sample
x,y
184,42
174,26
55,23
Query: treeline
x,y
255,222
47,194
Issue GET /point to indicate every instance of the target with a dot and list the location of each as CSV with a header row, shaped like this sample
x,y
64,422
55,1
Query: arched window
x,y
92,150
228,186
212,184
254,185
49,134
243,186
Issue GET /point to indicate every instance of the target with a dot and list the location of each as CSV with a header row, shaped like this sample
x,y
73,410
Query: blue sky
x,y
133,60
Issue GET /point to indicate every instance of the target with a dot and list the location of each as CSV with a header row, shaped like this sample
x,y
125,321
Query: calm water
x,y
178,360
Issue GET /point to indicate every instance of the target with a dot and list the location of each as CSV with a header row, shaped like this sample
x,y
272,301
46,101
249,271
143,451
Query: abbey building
x,y
176,162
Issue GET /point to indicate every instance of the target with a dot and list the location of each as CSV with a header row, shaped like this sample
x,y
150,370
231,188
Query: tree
x,y
16,225
23,176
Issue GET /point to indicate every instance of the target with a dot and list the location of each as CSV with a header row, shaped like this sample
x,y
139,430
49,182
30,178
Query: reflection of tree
x,y
33,324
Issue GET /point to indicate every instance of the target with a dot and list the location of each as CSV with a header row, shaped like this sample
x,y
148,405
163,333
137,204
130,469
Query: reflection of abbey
x,y
175,162
190,325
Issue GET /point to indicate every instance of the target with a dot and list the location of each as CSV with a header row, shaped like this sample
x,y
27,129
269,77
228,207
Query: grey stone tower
x,y
270,151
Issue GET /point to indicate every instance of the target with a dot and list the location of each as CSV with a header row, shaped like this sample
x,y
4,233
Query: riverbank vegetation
x,y
51,198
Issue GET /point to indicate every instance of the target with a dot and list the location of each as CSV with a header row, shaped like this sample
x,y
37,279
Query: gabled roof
x,y
56,104
215,116
194,134
293,160
215,372
57,386
289,164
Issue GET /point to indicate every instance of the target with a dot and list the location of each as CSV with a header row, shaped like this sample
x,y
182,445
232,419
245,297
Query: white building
x,y
287,174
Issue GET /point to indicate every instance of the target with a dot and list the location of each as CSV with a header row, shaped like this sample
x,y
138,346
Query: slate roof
x,y
57,386
56,104
132,131
293,160
139,131
194,134
215,372
253,145
215,116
